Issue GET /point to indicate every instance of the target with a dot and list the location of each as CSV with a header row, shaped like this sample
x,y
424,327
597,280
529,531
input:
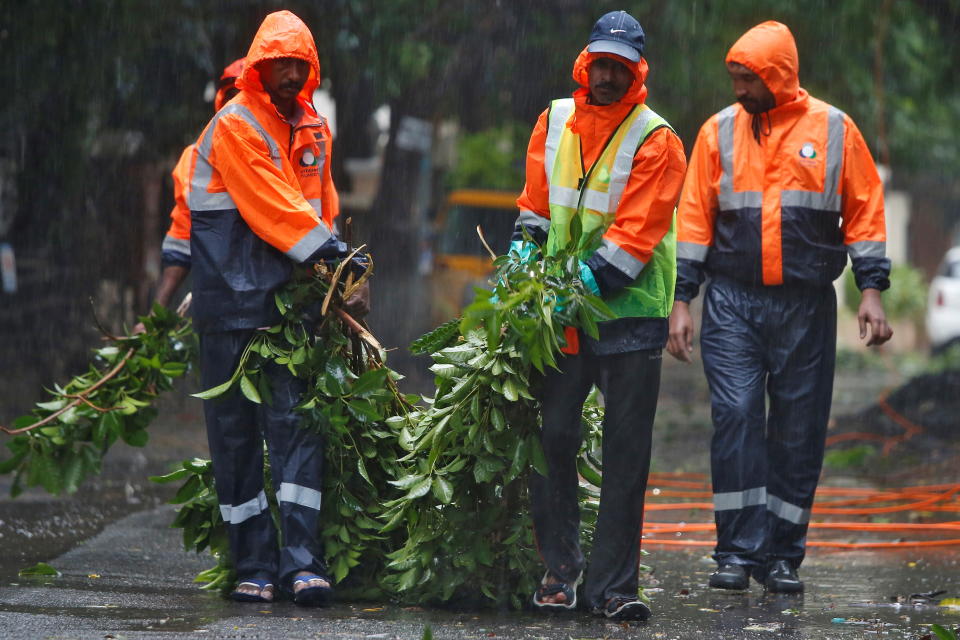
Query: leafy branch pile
x,y
350,395
63,440
465,511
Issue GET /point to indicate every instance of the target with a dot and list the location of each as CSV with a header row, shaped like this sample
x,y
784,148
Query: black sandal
x,y
555,588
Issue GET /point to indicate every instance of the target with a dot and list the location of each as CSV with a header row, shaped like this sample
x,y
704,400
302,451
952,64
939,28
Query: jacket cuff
x,y
872,273
170,258
689,278
332,248
609,279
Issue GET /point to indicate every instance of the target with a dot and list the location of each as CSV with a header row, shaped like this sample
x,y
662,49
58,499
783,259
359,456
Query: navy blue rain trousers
x,y
768,354
630,383
236,430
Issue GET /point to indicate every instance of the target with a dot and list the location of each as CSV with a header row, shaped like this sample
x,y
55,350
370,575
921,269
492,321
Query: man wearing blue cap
x,y
606,159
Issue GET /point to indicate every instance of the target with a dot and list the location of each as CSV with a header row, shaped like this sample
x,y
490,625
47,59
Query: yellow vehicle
x,y
460,261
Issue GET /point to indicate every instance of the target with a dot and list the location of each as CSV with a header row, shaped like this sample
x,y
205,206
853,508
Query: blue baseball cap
x,y
618,33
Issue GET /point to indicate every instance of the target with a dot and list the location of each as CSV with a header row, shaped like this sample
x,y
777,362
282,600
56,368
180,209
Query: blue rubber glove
x,y
586,277
527,251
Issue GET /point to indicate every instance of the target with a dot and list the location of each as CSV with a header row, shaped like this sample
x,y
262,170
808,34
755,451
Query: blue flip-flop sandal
x,y
311,596
259,583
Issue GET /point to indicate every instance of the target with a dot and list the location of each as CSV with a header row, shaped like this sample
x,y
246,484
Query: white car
x,y
943,305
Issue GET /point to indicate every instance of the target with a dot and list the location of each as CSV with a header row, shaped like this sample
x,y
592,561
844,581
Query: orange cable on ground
x,y
852,501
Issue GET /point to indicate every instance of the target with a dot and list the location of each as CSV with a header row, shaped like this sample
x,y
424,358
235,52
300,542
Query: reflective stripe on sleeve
x,y
236,514
175,244
692,251
313,240
739,499
298,494
619,258
528,218
867,249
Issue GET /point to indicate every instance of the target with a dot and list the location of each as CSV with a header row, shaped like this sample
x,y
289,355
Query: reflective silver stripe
x,y
298,494
198,199
739,499
528,218
789,512
728,199
597,201
242,512
623,161
810,200
175,244
619,258
564,196
317,205
692,251
867,249
560,112
310,242
835,135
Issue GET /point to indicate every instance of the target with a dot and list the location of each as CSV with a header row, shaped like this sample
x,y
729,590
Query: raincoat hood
x,y
637,92
281,35
770,51
228,80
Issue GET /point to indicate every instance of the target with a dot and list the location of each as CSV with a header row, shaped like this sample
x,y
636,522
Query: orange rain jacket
x,y
646,208
176,244
787,208
260,194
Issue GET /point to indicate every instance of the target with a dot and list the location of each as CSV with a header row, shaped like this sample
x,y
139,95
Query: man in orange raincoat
x,y
781,189
262,201
607,160
175,260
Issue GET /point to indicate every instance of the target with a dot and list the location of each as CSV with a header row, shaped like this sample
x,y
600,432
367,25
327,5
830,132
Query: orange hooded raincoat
x,y
260,193
176,244
788,205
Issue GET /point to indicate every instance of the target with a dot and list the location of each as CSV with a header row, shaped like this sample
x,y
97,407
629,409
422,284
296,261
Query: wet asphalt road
x,y
132,580
124,574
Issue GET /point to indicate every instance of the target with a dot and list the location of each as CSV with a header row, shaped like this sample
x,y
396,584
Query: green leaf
x,y
442,489
39,569
369,381
249,390
136,438
942,633
218,390
361,467
420,489
407,481
179,474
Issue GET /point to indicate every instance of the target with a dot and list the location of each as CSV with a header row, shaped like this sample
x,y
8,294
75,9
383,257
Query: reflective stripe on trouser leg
x,y
630,383
236,448
801,343
554,504
296,462
733,361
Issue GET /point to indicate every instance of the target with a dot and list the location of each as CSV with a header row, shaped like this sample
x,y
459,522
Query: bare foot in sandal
x,y
316,581
256,590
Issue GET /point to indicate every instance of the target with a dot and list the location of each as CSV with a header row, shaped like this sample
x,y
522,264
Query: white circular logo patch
x,y
807,151
308,158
